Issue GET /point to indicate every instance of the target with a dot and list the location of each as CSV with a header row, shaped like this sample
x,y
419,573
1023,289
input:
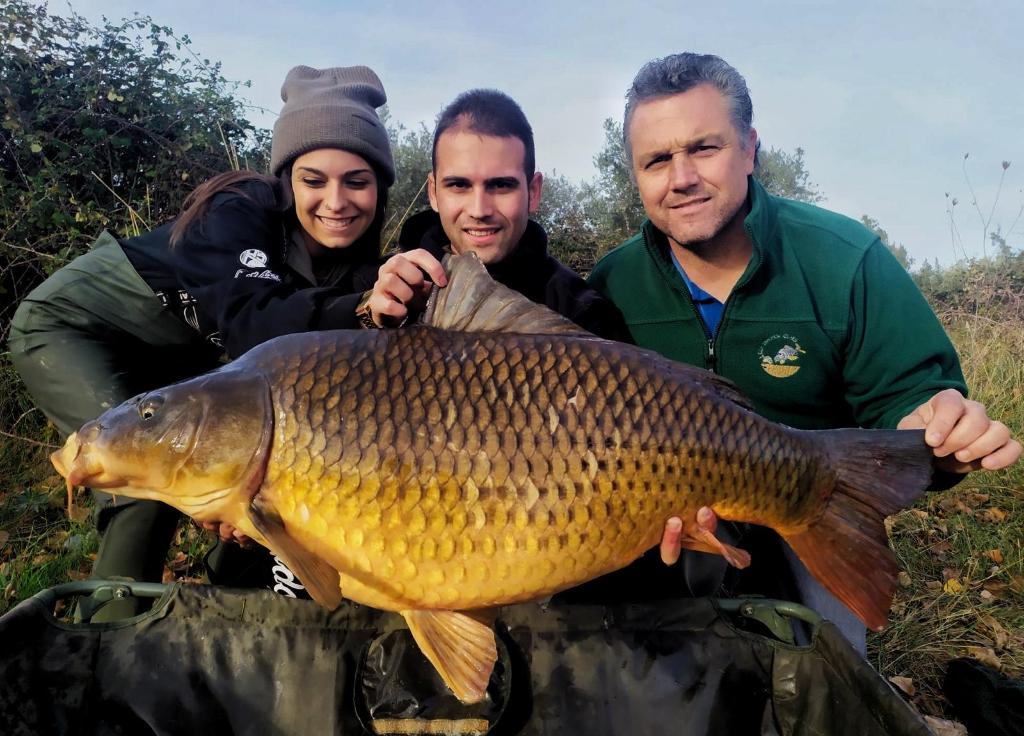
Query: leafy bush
x,y
104,127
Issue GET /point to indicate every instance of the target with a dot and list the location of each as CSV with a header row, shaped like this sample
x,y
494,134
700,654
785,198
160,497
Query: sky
x,y
885,98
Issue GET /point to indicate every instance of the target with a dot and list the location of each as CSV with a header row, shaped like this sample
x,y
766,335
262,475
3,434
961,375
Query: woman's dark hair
x,y
366,248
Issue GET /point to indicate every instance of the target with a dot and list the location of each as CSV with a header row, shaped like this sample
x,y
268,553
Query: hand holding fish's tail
x,y
845,547
699,534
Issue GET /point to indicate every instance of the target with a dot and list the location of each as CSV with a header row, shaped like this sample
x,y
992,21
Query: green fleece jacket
x,y
824,328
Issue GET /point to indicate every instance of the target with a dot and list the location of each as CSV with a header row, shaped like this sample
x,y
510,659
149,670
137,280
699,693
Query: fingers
x,y
994,450
1004,457
226,532
670,547
941,414
426,262
403,281
674,538
962,435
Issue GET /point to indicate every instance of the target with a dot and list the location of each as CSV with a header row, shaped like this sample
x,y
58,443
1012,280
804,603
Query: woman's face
x,y
335,197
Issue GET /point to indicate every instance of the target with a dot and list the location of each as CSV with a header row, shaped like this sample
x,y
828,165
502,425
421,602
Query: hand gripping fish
x,y
497,455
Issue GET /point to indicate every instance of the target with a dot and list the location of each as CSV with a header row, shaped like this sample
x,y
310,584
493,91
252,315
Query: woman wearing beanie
x,y
251,257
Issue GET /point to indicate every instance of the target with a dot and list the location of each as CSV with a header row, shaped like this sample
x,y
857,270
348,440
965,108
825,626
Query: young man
x,y
802,308
483,189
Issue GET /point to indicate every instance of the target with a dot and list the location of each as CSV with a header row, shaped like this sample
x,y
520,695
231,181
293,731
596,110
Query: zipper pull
x,y
711,355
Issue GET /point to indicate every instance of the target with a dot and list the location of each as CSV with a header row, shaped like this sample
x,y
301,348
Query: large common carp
x,y
498,455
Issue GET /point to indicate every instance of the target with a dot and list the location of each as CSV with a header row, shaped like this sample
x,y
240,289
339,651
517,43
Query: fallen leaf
x,y
995,588
920,513
933,585
940,548
995,630
1017,584
906,684
994,515
977,498
179,563
949,573
942,727
953,505
953,587
996,555
60,608
986,596
904,579
168,576
4,536
985,655
41,559
79,513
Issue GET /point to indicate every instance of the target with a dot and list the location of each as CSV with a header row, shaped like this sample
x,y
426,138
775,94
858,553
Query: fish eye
x,y
149,406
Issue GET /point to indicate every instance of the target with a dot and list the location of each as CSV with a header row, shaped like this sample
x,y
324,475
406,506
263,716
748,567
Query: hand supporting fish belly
x,y
495,456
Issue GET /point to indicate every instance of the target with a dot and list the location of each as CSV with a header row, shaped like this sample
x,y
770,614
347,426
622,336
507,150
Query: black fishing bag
x,y
209,660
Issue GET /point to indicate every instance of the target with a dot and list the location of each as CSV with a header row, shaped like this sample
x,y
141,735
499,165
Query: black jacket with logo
x,y
239,278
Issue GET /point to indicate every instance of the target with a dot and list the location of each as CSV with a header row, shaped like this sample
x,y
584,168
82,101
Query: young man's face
x,y
480,191
690,163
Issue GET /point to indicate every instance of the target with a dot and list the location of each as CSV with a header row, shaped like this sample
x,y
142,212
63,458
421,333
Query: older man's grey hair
x,y
680,73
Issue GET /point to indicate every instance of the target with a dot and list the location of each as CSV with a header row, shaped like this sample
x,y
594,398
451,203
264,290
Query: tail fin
x,y
877,472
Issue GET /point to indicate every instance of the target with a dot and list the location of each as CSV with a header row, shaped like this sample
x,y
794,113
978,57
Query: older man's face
x,y
690,163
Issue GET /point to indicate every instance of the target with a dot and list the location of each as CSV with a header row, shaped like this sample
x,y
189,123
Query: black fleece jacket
x,y
238,279
531,271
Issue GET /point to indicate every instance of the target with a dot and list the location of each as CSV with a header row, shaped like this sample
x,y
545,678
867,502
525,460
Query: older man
x,y
803,308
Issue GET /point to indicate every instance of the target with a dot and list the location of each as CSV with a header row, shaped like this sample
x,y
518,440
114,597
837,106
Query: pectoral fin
x,y
320,579
460,645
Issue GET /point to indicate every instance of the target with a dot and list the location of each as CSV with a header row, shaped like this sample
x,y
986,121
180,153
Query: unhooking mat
x,y
209,660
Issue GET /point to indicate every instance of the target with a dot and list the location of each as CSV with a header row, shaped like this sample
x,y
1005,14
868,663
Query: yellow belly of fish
x,y
420,553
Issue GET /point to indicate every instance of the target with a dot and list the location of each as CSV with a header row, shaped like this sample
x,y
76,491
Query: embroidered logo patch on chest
x,y
780,356
253,258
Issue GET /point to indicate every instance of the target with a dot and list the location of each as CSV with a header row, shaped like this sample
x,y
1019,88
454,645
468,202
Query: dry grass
x,y
963,549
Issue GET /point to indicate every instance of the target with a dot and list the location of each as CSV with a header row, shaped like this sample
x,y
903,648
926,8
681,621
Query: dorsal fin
x,y
474,302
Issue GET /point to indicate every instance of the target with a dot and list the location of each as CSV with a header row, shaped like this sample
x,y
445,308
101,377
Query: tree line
x,y
110,126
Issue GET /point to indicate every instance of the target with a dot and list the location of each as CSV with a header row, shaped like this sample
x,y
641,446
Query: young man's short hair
x,y
487,112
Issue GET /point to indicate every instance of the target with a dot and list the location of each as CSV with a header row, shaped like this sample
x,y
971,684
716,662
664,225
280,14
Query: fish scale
x,y
543,461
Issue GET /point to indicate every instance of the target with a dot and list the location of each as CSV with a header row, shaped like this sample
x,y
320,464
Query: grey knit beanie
x,y
332,108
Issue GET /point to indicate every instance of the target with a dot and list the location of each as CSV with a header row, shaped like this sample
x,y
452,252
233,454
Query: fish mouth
x,y
80,462
79,467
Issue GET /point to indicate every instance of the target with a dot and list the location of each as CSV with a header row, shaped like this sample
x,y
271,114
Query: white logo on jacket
x,y
253,258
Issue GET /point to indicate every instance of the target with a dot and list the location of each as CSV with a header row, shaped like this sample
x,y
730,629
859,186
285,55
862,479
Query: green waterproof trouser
x,y
88,338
